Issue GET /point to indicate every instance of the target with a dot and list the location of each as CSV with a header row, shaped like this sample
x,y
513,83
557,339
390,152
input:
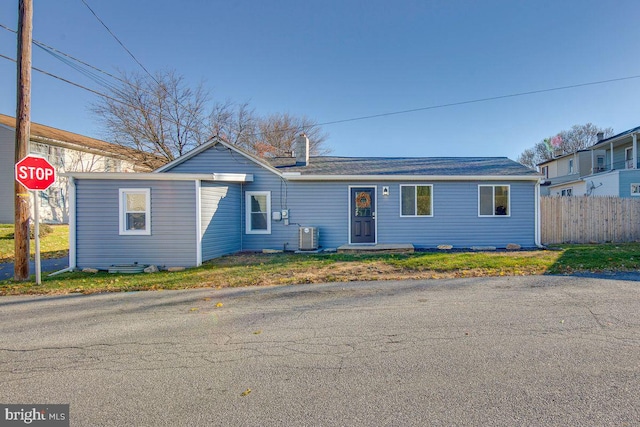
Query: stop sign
x,y
35,173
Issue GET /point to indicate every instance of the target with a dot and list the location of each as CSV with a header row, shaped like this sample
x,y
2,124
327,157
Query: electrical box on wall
x,y
276,216
285,213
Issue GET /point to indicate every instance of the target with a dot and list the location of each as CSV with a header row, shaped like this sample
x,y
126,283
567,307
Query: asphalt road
x,y
548,351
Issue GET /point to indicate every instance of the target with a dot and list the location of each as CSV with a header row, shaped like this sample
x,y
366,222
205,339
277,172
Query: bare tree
x,y
268,136
577,138
160,115
279,131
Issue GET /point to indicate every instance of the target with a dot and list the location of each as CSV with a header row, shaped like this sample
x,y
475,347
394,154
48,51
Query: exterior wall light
x,y
385,191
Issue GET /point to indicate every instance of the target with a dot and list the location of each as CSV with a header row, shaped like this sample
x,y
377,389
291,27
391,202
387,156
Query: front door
x,y
363,215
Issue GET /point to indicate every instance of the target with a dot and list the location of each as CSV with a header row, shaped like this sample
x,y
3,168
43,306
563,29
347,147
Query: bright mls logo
x,y
34,415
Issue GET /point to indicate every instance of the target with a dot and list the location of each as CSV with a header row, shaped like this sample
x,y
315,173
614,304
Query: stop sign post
x,y
36,174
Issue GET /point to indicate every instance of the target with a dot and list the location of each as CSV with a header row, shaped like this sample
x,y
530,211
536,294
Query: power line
x,y
118,40
67,81
56,53
472,101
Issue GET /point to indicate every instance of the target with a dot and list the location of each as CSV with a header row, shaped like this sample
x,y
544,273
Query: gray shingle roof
x,y
454,166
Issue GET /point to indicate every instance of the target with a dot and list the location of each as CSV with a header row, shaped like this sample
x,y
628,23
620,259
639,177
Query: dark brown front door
x,y
363,215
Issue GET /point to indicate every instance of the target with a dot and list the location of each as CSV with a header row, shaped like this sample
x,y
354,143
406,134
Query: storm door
x,y
363,215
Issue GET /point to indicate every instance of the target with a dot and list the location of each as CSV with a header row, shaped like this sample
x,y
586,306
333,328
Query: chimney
x,y
600,136
302,150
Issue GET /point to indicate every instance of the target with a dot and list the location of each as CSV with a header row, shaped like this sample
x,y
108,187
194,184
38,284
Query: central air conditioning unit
x,y
308,238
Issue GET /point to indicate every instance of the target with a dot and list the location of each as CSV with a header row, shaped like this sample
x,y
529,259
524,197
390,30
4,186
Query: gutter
x,y
296,176
168,176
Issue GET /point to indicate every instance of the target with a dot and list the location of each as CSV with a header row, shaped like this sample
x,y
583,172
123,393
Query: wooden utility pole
x,y
23,133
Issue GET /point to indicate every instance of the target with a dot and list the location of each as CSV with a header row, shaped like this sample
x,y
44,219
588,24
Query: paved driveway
x,y
493,351
46,265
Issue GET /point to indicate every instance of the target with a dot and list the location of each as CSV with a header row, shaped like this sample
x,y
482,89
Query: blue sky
x,y
336,60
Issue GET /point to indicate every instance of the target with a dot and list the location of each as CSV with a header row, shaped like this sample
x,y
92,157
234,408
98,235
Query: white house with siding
x,y
611,167
219,199
67,152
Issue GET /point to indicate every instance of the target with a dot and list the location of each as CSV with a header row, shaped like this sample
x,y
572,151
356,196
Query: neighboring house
x,y
67,152
608,168
218,199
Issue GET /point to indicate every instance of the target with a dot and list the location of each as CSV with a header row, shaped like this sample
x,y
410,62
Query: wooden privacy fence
x,y
585,219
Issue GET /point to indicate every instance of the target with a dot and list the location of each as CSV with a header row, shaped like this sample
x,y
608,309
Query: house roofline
x,y
298,177
616,138
220,177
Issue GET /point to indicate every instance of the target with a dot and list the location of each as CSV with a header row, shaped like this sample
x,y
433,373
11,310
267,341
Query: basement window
x,y
135,211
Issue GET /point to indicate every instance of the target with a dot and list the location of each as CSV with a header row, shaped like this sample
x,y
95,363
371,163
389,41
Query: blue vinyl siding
x,y
221,219
173,225
455,218
628,177
325,205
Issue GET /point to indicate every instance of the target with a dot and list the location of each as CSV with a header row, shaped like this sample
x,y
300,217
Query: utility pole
x,y
23,133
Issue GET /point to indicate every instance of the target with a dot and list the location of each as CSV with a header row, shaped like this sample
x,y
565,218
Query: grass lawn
x,y
53,245
288,269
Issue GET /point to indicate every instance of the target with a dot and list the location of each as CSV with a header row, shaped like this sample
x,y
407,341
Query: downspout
x,y
537,227
72,229
72,223
198,223
241,215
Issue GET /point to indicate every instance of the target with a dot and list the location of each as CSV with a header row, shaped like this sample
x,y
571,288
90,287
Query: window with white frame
x,y
567,192
635,189
135,211
570,166
545,171
258,212
494,200
416,200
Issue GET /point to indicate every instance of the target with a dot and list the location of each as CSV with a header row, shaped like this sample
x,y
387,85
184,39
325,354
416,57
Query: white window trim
x,y
494,200
631,188
570,167
415,191
247,218
122,205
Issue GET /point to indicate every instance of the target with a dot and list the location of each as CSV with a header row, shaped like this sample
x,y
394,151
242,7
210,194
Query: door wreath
x,y
363,200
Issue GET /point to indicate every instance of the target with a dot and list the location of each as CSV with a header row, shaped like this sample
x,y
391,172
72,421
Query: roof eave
x,y
299,177
218,177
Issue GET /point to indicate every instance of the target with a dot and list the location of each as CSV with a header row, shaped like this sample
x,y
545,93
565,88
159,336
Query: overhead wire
x,y
118,40
103,82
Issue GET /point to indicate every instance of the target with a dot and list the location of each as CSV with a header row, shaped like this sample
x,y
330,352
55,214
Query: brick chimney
x,y
302,150
600,136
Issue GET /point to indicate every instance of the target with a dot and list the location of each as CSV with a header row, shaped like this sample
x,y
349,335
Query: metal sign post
x,y
36,232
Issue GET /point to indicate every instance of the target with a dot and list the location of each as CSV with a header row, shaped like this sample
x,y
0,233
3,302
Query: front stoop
x,y
388,248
